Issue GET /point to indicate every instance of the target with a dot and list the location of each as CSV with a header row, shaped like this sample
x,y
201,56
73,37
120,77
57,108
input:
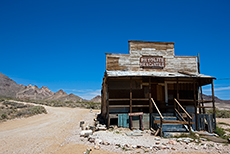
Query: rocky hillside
x,y
33,92
96,99
217,100
9,88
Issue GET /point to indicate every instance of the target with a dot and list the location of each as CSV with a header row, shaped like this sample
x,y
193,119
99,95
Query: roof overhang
x,y
203,79
156,74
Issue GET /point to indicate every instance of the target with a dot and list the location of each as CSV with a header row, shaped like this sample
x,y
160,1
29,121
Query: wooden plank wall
x,y
131,61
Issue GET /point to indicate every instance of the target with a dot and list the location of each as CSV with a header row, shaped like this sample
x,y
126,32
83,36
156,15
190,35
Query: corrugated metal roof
x,y
155,74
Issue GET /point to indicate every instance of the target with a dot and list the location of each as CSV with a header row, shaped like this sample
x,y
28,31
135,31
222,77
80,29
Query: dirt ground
x,y
46,133
58,132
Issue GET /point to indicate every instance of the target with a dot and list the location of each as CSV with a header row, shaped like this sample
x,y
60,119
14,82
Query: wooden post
x,y
107,105
150,104
189,125
142,128
161,131
131,122
198,62
202,103
195,104
213,105
177,89
130,97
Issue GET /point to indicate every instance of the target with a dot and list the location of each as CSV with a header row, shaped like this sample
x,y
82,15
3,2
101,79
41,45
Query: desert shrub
x,y
37,110
220,113
4,116
220,131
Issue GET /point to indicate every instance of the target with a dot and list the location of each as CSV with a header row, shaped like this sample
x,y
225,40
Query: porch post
x,y
107,105
195,104
150,96
213,105
202,100
150,104
177,89
131,96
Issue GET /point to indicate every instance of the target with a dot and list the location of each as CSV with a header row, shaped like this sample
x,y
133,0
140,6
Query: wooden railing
x,y
188,116
161,117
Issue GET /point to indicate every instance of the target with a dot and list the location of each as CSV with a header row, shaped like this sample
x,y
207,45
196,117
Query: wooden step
x,y
173,122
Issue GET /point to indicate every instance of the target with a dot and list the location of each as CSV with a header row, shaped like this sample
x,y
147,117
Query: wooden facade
x,y
151,73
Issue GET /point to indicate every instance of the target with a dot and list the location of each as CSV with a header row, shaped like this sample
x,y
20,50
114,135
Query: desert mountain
x,y
33,92
96,99
217,100
8,88
65,97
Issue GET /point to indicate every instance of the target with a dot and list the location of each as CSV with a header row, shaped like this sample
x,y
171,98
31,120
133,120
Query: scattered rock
x,y
173,142
157,138
81,123
134,146
97,147
91,140
164,144
157,142
139,146
196,148
98,141
197,135
203,139
86,133
117,144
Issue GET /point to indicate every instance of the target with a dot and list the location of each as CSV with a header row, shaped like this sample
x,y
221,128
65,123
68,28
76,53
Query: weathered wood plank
x,y
173,122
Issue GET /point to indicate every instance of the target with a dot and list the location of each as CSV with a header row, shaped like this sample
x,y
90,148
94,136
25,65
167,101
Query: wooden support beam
x,y
107,105
130,97
195,104
179,114
186,100
202,100
140,99
213,104
177,89
150,104
150,96
173,122
135,114
119,99
118,105
140,105
183,109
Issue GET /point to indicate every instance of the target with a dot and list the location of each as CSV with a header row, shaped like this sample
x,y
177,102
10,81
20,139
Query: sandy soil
x,y
46,133
58,132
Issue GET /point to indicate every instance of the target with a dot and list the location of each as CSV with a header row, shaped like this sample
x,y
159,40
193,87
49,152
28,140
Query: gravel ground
x,y
119,142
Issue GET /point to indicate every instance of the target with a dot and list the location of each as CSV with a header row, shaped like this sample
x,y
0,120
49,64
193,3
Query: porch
x,y
158,92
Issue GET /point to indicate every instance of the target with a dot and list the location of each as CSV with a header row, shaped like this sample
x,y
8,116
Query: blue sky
x,y
62,44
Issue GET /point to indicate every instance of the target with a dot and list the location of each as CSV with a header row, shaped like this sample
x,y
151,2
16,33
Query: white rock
x,y
85,133
157,138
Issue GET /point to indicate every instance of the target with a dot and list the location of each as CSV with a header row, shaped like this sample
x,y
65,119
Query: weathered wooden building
x,y
152,79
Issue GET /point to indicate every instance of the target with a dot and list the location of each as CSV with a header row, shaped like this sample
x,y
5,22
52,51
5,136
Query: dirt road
x,y
46,133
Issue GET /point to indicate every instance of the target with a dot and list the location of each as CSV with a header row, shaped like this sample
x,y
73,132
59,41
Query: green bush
x,y
37,110
220,113
4,116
